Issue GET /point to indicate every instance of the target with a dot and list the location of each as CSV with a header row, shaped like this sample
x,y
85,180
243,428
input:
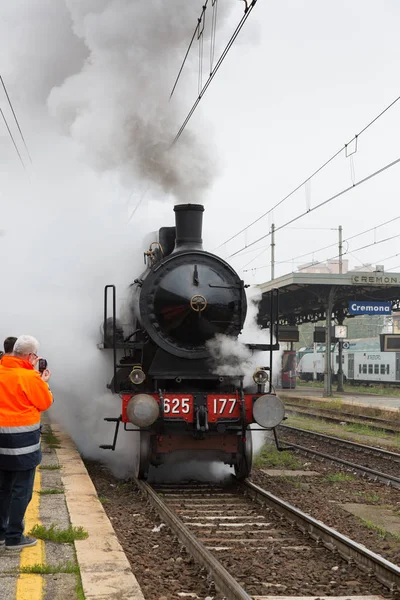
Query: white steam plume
x,y
232,357
103,69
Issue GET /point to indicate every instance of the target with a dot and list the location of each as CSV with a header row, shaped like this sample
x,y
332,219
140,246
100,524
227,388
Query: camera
x,y
42,365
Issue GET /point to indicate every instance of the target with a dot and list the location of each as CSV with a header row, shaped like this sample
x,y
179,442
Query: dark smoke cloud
x,y
116,106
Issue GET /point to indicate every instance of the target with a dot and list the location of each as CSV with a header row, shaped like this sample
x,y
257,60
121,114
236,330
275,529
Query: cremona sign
x,y
375,279
364,307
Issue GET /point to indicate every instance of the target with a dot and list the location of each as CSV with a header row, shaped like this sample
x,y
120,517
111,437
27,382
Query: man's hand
x,y
46,375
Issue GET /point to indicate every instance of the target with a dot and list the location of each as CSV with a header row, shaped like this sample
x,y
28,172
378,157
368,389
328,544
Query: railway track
x,y
328,415
256,546
379,465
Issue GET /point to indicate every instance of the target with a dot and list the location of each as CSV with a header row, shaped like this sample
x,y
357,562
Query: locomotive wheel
x,y
244,456
143,464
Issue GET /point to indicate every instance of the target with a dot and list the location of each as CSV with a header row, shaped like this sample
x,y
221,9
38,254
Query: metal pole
x,y
328,365
340,250
340,358
272,251
340,368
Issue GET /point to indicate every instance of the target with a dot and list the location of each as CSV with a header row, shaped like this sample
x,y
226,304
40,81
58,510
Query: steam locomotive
x,y
180,405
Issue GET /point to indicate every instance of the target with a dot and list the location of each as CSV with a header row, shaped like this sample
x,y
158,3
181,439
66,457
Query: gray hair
x,y
26,344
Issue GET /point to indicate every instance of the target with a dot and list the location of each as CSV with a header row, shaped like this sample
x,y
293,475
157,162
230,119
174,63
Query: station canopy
x,y
305,297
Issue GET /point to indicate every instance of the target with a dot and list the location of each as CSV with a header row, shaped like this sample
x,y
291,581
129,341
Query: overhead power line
x,y
351,237
348,252
12,138
203,90
15,118
199,20
343,149
320,262
334,197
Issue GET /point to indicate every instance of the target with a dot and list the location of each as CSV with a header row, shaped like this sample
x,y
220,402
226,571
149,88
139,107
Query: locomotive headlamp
x,y
268,411
142,410
260,376
137,376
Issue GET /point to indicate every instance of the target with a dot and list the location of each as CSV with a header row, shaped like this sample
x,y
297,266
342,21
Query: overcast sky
x,y
320,72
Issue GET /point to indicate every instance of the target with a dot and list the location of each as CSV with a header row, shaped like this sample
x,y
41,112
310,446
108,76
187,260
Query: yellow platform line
x,y
30,586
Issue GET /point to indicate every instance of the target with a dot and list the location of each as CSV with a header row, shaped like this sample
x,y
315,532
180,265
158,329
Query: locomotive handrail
x,y
114,328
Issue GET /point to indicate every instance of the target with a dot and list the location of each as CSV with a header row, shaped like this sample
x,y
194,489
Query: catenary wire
x,y
347,239
15,117
327,201
189,47
12,138
319,262
355,138
215,69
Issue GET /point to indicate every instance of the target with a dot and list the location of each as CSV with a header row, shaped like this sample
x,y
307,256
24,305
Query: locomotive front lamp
x,y
268,411
137,376
260,376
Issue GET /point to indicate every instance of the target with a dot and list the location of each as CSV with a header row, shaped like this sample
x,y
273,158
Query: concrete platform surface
x,y
378,516
95,568
288,473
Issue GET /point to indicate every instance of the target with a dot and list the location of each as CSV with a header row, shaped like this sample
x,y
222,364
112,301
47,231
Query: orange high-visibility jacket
x,y
23,396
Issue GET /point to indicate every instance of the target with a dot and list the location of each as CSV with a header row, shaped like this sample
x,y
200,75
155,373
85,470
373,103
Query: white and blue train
x,y
362,359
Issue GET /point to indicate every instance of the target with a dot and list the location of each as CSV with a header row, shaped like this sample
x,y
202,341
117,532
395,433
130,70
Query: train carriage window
x,y
364,369
382,369
359,368
387,369
370,369
376,369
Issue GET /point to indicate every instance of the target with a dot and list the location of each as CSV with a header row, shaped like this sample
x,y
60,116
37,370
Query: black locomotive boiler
x,y
181,406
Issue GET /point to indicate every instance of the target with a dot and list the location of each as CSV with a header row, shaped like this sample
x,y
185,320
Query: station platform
x,y
66,505
384,403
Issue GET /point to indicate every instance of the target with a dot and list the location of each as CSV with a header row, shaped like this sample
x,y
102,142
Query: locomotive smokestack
x,y
189,225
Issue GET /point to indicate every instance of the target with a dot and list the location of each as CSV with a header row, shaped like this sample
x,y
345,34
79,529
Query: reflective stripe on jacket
x,y
23,396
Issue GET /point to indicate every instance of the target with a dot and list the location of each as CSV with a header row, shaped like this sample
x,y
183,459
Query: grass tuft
x,y
343,431
50,491
364,429
68,567
338,477
380,531
51,439
273,458
49,467
79,589
62,536
104,499
368,497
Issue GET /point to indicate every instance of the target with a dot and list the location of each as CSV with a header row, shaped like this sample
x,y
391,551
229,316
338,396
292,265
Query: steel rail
x,y
371,473
385,571
225,583
342,442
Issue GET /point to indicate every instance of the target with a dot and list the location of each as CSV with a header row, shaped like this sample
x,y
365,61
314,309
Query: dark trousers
x,y
16,489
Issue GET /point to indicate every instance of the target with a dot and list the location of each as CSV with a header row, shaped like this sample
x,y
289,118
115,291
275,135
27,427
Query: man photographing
x,y
24,394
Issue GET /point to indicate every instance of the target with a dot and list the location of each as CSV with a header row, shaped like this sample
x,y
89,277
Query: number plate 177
x,y
223,407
